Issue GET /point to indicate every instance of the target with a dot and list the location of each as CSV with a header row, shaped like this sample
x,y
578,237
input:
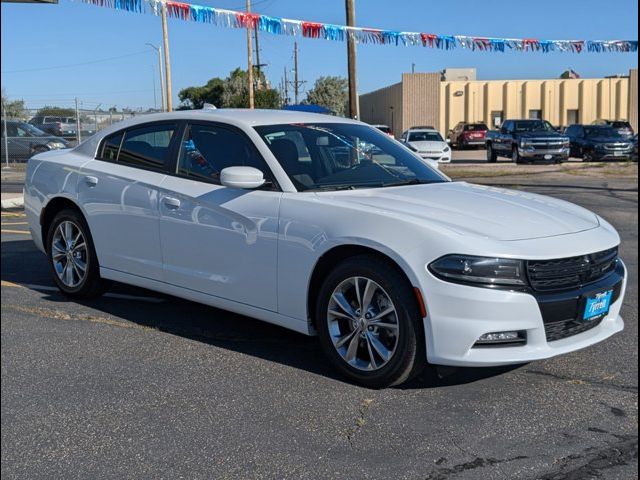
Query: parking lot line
x,y
12,215
19,232
16,223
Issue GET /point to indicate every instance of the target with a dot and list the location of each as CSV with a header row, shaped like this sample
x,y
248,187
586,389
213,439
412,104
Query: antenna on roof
x,y
209,106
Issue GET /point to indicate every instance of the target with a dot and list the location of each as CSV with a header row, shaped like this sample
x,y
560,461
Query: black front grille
x,y
563,317
568,328
570,273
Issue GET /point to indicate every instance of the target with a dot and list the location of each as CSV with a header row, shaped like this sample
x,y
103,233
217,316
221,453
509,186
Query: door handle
x,y
91,181
171,203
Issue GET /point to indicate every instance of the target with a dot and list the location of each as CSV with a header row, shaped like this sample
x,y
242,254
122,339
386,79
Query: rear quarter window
x,y
147,147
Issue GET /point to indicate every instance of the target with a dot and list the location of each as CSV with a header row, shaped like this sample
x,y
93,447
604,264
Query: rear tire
x,y
72,256
375,353
492,157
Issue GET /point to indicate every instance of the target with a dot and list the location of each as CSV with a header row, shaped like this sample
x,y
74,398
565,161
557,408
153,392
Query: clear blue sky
x,y
42,36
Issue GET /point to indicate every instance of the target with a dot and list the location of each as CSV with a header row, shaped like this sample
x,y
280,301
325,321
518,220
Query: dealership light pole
x,y
162,92
351,60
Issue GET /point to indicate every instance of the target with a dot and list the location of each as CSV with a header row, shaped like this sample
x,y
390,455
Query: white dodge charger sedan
x,y
327,226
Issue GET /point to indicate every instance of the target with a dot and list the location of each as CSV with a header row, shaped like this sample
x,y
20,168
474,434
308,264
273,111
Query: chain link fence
x,y
29,131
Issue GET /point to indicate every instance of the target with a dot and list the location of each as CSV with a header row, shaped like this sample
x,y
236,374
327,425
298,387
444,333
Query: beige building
x,y
422,99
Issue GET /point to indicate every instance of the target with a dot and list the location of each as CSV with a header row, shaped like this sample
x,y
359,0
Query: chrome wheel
x,y
363,323
69,254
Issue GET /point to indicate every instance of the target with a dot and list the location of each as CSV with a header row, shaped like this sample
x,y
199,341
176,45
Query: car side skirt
x,y
210,300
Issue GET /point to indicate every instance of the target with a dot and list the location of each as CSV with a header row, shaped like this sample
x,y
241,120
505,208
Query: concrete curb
x,y
13,203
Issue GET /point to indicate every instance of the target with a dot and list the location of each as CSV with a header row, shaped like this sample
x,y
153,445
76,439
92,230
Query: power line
x,y
70,65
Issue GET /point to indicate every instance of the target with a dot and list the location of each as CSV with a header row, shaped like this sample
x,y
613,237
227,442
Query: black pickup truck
x,y
526,141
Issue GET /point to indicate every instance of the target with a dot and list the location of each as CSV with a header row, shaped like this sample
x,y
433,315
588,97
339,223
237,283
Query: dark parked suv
x,y
622,126
465,135
598,142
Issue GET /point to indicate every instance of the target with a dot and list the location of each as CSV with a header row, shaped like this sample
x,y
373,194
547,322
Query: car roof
x,y
423,130
239,117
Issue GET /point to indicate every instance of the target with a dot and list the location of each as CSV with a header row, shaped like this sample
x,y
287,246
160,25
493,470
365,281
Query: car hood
x,y
608,140
428,146
477,210
540,135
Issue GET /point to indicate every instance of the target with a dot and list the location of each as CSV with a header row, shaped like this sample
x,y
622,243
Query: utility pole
x,y
250,62
167,60
162,89
286,87
296,81
78,132
351,61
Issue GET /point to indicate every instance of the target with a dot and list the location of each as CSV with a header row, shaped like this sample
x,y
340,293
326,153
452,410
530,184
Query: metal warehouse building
x,y
430,99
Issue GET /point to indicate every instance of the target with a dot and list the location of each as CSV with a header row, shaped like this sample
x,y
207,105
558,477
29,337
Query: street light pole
x,y
351,60
162,89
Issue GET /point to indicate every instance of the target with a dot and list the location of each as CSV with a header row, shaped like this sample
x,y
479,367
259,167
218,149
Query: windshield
x,y
533,126
335,156
22,129
425,137
621,125
475,128
591,132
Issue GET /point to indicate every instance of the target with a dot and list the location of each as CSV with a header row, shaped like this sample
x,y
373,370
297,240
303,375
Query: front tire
x,y
587,156
72,256
369,324
515,156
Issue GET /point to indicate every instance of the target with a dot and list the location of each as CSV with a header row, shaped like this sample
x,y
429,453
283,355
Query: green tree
x,y
53,111
231,92
196,97
12,108
331,93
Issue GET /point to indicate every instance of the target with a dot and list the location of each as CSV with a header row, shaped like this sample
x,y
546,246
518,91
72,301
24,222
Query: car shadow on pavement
x,y
22,264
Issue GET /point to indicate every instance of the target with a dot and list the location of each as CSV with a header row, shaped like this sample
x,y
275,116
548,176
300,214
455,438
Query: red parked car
x,y
465,135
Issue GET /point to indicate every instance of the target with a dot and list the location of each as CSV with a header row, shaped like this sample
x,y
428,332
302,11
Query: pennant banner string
x,y
284,26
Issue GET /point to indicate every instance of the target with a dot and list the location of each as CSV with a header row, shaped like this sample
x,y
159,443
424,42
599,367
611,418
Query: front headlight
x,y
523,143
566,142
56,145
446,149
480,271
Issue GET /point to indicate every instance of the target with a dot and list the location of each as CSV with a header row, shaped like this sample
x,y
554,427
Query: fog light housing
x,y
509,338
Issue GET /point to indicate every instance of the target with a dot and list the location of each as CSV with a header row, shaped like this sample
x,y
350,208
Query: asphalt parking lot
x,y
135,385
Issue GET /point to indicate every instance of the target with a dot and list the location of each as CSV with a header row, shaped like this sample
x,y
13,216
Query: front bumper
x,y
458,315
544,154
438,157
615,155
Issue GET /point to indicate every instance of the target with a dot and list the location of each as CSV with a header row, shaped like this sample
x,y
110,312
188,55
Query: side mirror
x,y
247,178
